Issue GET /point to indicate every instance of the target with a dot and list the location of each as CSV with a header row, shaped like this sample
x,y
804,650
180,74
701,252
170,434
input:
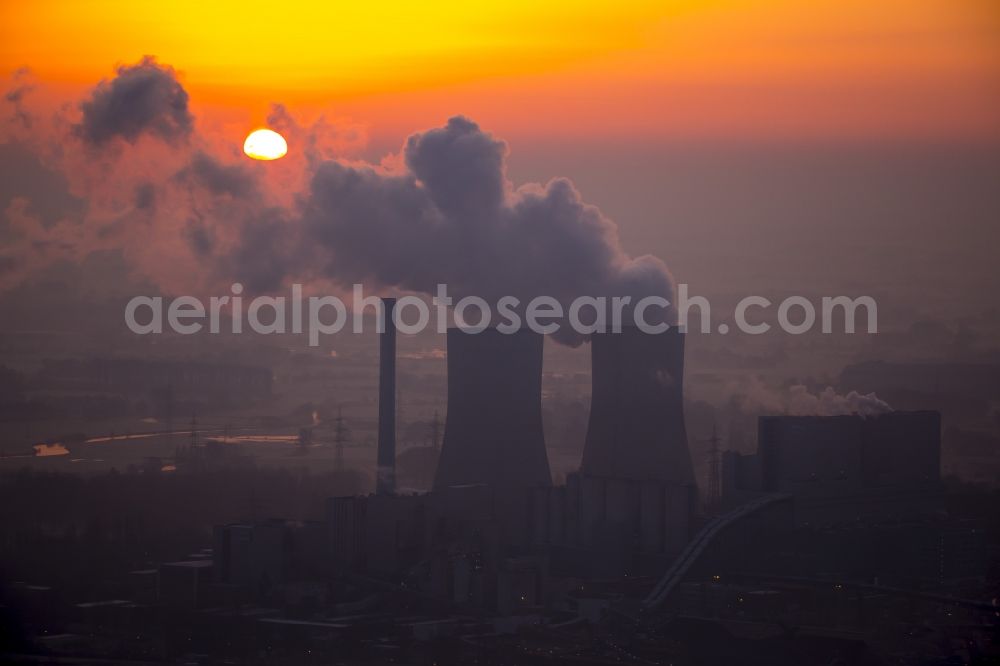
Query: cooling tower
x,y
636,428
493,433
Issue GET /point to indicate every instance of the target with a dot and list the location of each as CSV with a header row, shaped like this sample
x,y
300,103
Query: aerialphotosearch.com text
x,y
317,316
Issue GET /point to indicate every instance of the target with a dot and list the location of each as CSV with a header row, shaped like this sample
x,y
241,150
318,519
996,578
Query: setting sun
x,y
265,144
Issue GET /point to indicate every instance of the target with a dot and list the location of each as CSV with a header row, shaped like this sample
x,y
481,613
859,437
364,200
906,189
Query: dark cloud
x,y
261,259
200,238
24,176
21,85
145,196
15,95
142,98
217,178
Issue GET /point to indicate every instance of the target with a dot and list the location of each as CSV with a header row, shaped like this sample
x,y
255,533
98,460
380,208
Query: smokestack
x,y
636,428
385,481
493,432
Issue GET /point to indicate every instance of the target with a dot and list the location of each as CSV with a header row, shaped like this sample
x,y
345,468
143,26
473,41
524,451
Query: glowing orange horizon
x,y
772,68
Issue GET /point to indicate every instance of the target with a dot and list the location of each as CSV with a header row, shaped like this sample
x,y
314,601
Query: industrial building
x,y
842,468
494,518
835,523
496,534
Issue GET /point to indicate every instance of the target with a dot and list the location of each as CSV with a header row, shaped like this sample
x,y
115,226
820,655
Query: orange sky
x,y
742,69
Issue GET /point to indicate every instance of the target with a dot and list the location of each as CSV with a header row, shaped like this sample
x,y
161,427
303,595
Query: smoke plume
x,y
452,216
192,215
754,397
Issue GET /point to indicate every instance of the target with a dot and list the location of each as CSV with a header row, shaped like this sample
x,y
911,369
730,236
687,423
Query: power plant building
x,y
629,509
636,428
842,468
493,434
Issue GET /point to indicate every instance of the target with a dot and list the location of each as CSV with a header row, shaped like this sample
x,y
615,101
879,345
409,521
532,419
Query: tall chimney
x,y
636,428
493,432
385,481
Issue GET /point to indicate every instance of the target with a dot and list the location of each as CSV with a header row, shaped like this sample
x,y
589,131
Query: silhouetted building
x,y
185,584
842,468
604,527
377,534
257,558
252,555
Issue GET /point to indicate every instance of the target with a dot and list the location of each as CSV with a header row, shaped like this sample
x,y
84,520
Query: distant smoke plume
x,y
22,85
756,398
143,98
830,403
